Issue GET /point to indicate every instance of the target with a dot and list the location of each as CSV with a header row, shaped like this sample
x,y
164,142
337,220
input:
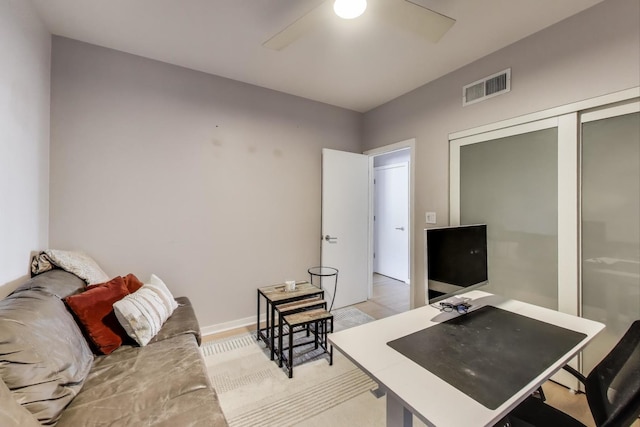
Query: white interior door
x,y
391,221
345,204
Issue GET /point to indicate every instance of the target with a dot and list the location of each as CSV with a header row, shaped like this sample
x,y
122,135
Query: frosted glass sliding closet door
x,y
610,224
569,175
521,181
511,184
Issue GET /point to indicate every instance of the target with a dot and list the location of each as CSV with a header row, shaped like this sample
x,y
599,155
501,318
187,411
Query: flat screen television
x,y
456,259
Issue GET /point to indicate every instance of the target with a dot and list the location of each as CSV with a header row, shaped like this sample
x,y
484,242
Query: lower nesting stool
x,y
319,318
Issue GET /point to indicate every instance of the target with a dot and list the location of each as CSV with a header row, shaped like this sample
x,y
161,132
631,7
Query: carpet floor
x,y
254,391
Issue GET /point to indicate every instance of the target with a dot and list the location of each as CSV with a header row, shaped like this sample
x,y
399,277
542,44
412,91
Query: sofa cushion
x,y
162,384
94,311
12,414
182,321
56,282
45,358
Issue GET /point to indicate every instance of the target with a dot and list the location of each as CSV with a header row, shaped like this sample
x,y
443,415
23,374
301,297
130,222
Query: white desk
x,y
412,389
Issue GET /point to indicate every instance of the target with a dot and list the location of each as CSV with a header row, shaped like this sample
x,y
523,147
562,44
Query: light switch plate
x,y
430,217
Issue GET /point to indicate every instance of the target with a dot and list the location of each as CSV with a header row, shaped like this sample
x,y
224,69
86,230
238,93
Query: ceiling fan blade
x,y
415,18
300,27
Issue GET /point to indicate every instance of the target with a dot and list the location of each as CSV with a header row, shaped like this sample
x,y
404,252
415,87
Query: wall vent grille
x,y
488,87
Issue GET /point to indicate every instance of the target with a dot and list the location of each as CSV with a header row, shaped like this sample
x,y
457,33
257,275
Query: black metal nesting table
x,y
275,295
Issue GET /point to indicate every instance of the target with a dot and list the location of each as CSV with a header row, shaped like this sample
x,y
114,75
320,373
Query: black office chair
x,y
612,389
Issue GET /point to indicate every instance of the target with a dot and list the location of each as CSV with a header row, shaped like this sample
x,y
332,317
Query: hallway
x,y
389,297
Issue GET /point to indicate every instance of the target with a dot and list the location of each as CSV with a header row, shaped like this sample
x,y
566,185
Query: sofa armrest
x,y
182,321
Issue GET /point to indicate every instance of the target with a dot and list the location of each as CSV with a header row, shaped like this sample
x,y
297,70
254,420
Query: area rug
x,y
254,391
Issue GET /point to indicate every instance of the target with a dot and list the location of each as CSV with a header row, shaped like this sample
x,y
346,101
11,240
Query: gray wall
x,y
25,48
591,54
212,184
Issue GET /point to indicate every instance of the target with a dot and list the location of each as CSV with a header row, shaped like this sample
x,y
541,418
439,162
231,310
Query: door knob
x,y
400,228
330,239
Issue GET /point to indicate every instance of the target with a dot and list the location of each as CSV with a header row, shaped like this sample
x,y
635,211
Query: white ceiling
x,y
358,64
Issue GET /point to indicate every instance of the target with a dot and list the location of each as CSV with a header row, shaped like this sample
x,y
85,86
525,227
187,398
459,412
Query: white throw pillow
x,y
143,312
159,284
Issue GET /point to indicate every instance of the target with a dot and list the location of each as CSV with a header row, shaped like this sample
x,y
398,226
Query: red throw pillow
x,y
132,282
94,310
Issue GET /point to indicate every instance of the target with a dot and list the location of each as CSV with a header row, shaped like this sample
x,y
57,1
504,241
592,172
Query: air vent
x,y
486,88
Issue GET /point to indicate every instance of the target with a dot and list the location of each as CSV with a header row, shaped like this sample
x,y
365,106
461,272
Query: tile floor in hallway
x,y
389,297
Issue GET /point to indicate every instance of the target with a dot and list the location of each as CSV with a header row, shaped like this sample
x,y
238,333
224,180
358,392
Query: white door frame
x,y
411,145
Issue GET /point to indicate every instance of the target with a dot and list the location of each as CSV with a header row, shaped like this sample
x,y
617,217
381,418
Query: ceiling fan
x,y
404,14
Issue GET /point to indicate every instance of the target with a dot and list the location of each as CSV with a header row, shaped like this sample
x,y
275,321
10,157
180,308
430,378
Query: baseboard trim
x,y
227,326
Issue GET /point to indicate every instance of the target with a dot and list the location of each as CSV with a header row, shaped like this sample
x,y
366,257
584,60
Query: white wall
x,y
25,47
590,54
210,183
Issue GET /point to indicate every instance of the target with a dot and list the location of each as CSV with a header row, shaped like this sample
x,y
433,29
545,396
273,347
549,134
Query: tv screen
x,y
456,259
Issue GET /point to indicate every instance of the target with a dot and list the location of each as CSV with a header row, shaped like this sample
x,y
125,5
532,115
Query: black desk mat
x,y
488,354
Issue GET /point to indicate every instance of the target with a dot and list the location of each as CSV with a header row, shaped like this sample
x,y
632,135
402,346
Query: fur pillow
x,y
78,263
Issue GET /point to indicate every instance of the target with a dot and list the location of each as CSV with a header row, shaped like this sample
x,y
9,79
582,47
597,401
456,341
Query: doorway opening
x,y
391,215
391,236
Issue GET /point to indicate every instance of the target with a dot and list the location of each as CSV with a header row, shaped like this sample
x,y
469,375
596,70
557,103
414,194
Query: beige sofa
x,y
49,376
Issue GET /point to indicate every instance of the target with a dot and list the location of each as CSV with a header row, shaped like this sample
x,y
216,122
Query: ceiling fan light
x,y
349,9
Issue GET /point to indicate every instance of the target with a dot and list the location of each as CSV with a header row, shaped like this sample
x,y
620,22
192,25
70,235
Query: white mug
x,y
290,285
